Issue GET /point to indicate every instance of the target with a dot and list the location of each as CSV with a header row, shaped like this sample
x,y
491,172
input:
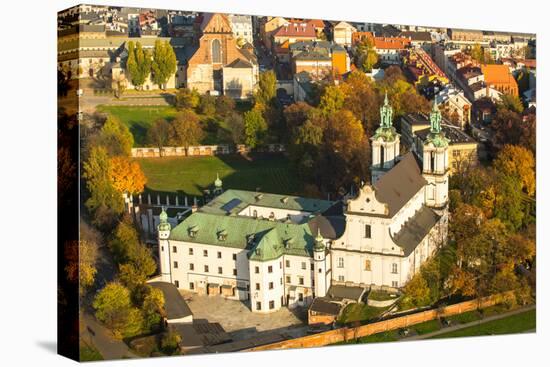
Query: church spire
x,y
386,112
435,119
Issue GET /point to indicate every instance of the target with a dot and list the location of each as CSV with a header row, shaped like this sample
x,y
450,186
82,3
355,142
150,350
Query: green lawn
x,y
191,175
512,324
466,317
89,353
426,327
139,118
360,312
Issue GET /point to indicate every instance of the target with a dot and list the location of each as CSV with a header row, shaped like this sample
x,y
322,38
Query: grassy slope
x,y
88,353
190,175
139,118
360,312
508,325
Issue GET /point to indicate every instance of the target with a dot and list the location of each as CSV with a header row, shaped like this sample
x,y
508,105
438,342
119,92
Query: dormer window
x,y
259,197
284,200
222,235
193,230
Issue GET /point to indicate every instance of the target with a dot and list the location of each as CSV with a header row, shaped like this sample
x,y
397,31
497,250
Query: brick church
x,y
218,65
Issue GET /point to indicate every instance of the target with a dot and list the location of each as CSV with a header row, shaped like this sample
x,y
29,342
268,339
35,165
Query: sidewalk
x,y
473,323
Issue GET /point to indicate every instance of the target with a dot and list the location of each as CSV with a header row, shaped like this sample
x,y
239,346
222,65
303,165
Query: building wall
x,y
239,83
183,276
317,68
266,287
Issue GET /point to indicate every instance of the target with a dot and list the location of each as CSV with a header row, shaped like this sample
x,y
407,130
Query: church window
x,y
303,265
432,161
175,264
340,278
220,270
270,285
288,278
367,265
287,263
190,251
320,270
257,270
191,266
394,268
270,269
301,280
257,286
394,283
382,156
174,249
340,262
206,270
367,230
216,51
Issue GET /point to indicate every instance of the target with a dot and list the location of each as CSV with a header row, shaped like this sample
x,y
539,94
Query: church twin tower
x,y
433,152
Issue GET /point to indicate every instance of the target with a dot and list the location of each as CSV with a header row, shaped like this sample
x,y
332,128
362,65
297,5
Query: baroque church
x,y
276,250
217,65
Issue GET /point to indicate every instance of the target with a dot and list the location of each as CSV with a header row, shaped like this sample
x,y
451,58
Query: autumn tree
x,y
138,64
516,161
224,105
104,201
164,63
81,257
113,307
158,134
123,241
187,99
332,99
126,175
361,98
255,129
186,130
207,105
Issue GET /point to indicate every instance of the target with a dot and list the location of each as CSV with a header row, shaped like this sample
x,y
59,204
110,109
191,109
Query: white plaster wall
x,y
263,278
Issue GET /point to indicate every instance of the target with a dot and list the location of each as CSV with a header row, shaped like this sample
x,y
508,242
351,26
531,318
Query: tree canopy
x,y
164,63
138,63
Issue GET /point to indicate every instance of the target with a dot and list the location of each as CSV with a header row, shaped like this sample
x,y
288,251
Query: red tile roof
x,y
391,43
296,29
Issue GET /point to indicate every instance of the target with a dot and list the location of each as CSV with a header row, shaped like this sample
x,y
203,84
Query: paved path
x,y
473,323
102,339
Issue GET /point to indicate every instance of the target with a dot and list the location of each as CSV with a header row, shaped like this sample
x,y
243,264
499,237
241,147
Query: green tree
x,y
225,105
187,99
153,308
510,102
366,57
332,99
114,308
116,138
235,124
170,342
158,134
207,105
123,241
255,128
138,64
416,292
267,88
104,198
186,130
164,63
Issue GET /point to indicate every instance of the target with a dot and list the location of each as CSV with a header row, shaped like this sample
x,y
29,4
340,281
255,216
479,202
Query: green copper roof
x,y
319,245
386,131
271,238
436,135
218,182
234,201
164,225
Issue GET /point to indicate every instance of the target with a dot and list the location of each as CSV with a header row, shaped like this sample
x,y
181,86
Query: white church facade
x,y
274,250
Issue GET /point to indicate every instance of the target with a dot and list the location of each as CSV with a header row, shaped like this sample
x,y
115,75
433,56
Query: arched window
x,y
216,51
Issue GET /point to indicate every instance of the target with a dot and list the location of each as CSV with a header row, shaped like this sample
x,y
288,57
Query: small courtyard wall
x,y
344,334
202,150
